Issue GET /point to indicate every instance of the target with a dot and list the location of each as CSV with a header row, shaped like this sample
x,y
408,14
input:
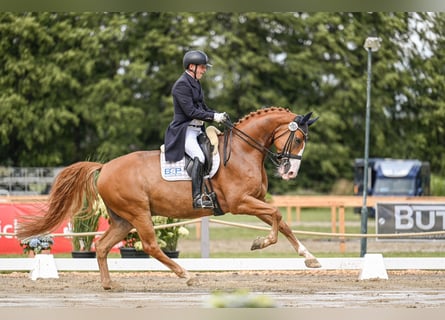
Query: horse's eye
x,y
297,141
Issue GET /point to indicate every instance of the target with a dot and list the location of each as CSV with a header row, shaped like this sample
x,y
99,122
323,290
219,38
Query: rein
x,y
276,158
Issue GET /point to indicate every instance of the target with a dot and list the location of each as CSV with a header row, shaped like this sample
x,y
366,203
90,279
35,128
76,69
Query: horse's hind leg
x,y
144,226
310,260
117,231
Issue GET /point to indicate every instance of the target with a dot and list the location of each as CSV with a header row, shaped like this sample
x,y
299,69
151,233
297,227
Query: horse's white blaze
x,y
294,167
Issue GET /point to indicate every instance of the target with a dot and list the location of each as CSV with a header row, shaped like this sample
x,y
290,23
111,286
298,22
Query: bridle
x,y
285,155
281,158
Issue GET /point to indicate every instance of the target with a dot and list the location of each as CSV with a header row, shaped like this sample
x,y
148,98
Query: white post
x,y
44,267
373,267
205,238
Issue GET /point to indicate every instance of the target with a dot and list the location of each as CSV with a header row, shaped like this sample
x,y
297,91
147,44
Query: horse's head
x,y
290,142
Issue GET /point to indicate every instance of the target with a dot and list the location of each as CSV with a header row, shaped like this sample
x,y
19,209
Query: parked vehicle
x,y
392,177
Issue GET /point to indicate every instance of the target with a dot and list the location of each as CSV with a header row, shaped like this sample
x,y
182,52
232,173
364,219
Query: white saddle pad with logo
x,y
175,171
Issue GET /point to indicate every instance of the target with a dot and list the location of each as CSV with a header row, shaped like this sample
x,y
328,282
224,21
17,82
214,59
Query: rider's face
x,y
200,70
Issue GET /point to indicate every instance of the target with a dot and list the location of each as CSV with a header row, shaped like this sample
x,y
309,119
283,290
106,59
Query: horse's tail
x,y
73,188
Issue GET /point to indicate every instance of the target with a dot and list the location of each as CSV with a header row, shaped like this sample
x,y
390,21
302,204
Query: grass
x,y
316,220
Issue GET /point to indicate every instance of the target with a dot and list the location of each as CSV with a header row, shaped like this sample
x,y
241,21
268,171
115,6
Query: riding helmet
x,y
195,57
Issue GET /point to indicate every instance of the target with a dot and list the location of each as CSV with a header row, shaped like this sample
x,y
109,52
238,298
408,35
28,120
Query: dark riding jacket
x,y
188,101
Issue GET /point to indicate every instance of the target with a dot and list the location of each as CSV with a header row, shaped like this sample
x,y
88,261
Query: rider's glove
x,y
219,117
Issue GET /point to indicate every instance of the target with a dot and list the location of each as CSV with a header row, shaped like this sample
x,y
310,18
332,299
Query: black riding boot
x,y
199,200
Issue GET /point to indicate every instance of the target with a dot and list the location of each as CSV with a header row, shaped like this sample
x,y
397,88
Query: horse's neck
x,y
251,139
261,130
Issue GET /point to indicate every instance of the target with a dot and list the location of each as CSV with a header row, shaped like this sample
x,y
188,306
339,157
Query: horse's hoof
x,y
114,286
257,243
193,281
312,263
107,285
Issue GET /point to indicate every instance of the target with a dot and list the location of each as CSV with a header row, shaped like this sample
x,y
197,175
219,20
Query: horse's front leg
x,y
272,238
255,207
310,260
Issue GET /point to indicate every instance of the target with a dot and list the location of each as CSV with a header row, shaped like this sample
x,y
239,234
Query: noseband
x,y
277,159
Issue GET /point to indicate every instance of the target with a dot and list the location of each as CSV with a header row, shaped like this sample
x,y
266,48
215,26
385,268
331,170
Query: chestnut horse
x,y
133,190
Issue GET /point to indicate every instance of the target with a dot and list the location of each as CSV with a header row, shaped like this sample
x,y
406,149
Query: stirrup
x,y
202,202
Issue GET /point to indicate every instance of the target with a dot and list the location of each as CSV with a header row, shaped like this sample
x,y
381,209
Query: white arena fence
x,y
224,264
229,264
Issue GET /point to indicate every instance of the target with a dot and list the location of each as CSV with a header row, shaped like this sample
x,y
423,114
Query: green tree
x,y
77,86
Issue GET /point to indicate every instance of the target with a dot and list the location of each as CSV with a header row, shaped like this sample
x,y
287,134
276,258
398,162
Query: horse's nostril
x,y
286,166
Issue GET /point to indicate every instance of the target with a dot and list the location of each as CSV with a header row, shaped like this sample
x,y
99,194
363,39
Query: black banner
x,y
402,218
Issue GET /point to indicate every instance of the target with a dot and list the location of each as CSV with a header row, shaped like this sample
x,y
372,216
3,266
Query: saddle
x,y
181,170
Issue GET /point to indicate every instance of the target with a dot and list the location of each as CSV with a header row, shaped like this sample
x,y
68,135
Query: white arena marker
x,y
44,267
373,267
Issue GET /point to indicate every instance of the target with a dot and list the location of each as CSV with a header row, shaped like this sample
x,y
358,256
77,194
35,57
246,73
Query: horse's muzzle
x,y
288,168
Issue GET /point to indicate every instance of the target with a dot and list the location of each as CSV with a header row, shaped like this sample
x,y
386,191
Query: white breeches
x,y
191,144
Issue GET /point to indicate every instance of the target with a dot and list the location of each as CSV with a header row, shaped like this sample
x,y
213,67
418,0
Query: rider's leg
x,y
194,151
198,200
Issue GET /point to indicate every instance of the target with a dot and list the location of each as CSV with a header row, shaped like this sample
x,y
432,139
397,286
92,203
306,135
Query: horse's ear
x,y
305,119
312,121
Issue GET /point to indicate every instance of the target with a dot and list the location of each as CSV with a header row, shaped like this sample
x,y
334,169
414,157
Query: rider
x,y
190,112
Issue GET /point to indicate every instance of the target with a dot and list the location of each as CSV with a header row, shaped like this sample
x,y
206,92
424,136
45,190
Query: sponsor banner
x,y
9,217
402,218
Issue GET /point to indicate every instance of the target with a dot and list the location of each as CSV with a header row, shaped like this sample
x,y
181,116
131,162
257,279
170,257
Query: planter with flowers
x,y
168,237
132,247
37,245
86,222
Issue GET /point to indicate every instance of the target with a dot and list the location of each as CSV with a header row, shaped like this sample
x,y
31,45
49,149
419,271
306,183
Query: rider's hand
x,y
219,117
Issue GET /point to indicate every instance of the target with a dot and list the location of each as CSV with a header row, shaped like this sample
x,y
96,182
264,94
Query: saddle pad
x,y
175,171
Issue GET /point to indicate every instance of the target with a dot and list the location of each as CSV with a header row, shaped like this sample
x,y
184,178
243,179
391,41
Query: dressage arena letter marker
x,y
44,267
373,267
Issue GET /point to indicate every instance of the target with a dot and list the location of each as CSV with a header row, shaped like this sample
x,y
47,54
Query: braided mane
x,y
261,111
